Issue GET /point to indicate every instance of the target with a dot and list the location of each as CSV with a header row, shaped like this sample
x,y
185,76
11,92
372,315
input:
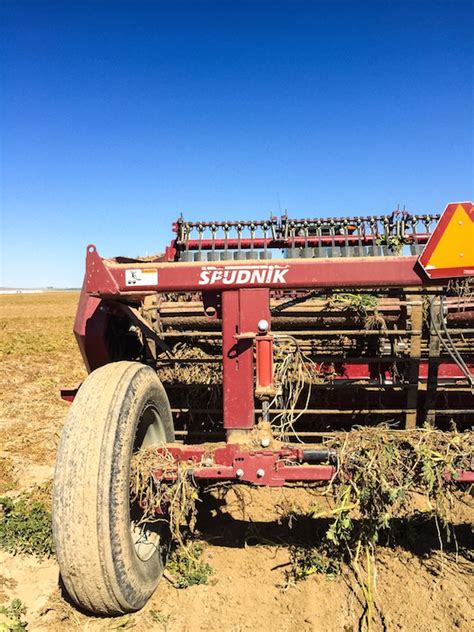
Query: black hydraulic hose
x,y
448,336
311,455
293,301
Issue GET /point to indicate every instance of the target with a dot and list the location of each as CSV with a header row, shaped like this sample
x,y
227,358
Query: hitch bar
x,y
259,466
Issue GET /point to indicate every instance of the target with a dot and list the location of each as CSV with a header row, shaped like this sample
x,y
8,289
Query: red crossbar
x,y
271,468
109,279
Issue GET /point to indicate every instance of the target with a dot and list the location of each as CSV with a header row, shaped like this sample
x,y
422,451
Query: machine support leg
x,y
416,325
433,363
241,311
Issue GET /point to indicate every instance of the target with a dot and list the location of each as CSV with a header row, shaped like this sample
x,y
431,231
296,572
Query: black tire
x,y
119,408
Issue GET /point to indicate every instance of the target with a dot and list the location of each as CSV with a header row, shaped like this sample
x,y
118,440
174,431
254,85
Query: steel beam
x,y
106,278
241,311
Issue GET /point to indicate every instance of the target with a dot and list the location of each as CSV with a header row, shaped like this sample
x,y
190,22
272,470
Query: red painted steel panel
x,y
237,365
465,476
307,472
241,311
363,370
89,329
106,278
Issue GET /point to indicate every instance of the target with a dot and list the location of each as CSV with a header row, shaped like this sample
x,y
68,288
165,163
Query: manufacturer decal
x,y
243,275
137,276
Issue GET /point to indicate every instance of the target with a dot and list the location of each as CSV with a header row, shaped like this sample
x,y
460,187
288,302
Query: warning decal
x,y
450,249
137,276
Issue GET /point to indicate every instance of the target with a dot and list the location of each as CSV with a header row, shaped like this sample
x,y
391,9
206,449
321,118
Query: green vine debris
x,y
380,472
25,527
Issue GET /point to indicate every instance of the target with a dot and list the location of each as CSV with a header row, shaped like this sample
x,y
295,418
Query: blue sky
x,y
117,116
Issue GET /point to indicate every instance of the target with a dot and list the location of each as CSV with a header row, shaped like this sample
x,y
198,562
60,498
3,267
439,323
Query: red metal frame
x,y
371,231
270,243
89,329
270,468
241,311
239,292
107,279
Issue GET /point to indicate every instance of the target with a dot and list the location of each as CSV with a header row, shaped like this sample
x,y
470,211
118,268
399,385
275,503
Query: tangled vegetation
x,y
25,527
202,367
378,474
173,502
394,243
295,372
379,471
361,303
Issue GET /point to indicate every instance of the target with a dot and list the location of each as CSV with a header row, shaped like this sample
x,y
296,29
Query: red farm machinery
x,y
237,350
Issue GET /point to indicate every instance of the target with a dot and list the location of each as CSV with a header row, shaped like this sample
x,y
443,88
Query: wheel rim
x,y
146,536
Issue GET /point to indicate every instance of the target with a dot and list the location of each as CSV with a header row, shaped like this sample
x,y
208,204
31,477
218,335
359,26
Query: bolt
x,y
265,442
260,473
263,326
239,473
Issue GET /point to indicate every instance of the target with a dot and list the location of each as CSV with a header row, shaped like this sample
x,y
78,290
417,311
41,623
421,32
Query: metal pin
x,y
346,250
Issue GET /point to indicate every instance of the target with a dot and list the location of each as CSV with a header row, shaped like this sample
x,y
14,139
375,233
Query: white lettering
x,y
229,277
279,276
258,276
253,274
243,276
204,278
216,276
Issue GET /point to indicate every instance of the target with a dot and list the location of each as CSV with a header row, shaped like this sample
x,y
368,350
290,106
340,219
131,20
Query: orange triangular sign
x,y
450,249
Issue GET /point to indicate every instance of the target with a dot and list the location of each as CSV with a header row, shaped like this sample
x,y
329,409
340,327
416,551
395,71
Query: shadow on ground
x,y
417,533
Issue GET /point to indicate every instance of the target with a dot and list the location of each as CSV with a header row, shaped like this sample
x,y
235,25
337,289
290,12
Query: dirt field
x,y
418,588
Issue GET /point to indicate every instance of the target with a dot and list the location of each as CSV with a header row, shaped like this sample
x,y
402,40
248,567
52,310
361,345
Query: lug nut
x,y
239,473
260,473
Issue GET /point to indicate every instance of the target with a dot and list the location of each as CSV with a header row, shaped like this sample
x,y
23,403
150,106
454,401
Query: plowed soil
x,y
418,587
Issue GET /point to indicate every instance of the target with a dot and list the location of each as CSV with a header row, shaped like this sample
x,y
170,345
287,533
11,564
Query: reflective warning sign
x,y
450,249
